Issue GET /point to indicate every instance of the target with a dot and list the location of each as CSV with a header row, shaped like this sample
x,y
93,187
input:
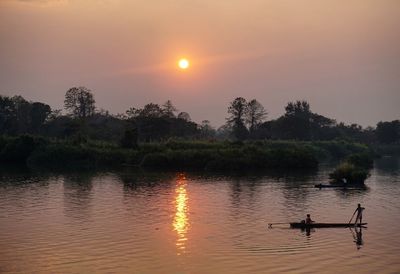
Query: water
x,y
133,222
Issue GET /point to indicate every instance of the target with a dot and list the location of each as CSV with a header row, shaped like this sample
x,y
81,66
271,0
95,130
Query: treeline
x,y
247,120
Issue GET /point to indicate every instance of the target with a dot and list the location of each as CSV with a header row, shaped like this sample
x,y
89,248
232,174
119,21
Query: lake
x,y
169,222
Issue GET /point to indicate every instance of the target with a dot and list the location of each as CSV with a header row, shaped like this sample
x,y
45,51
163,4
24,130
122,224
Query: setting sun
x,y
183,63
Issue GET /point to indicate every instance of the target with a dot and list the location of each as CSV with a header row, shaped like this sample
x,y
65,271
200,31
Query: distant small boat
x,y
322,225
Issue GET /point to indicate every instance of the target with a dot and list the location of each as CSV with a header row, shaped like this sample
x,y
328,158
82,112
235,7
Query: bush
x,y
350,172
17,150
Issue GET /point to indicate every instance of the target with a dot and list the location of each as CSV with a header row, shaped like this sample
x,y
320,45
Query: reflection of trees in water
x,y
19,184
137,181
243,195
349,193
244,187
140,188
78,194
17,175
297,185
243,190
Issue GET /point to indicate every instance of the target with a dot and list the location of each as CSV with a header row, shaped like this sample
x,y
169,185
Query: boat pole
x,y
352,217
270,224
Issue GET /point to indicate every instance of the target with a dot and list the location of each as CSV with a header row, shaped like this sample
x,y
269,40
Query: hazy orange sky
x,y
341,56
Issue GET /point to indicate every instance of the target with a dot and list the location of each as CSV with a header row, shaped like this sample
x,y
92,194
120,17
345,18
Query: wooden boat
x,y
348,186
323,225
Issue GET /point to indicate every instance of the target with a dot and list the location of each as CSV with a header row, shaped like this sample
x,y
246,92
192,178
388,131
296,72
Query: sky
x,y
343,57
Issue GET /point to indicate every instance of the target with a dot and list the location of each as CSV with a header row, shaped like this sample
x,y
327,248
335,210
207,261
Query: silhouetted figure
x,y
359,211
308,219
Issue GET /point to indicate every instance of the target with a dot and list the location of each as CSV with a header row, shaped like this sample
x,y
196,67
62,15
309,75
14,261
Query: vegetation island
x,y
160,137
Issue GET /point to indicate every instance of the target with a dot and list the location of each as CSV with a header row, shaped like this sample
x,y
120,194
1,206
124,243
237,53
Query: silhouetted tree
x,y
237,109
322,128
298,108
132,113
54,114
353,132
79,101
297,120
184,116
151,111
18,116
206,130
169,109
255,115
7,115
182,128
22,114
39,113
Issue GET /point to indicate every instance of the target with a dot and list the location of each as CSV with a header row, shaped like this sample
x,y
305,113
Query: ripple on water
x,y
105,223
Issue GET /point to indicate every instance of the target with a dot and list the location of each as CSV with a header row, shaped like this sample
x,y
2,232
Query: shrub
x,y
17,150
350,172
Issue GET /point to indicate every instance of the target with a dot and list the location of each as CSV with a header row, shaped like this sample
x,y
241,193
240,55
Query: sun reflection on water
x,y
181,220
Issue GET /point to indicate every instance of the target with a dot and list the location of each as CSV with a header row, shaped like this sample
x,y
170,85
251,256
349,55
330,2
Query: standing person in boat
x,y
359,210
308,219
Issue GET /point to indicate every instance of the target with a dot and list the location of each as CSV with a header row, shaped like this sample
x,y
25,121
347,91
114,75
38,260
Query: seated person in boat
x,y
308,219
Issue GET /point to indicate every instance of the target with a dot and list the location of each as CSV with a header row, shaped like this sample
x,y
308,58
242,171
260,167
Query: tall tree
x,y
184,116
132,113
22,114
298,108
151,111
18,116
39,113
237,110
206,130
7,115
297,120
255,114
169,109
79,101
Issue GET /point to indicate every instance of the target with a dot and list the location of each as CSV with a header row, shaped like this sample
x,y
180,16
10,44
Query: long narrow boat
x,y
340,186
329,186
322,225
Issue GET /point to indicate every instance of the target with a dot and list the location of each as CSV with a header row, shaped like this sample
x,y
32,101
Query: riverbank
x,y
175,155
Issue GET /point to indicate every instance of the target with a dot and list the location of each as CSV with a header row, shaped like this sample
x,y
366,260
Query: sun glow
x,y
183,63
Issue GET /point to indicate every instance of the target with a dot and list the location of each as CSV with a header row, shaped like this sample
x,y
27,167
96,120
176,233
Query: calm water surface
x,y
133,222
